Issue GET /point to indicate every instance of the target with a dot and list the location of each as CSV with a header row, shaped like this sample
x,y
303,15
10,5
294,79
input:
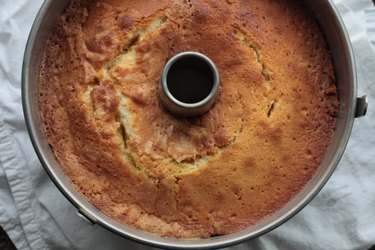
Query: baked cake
x,y
215,174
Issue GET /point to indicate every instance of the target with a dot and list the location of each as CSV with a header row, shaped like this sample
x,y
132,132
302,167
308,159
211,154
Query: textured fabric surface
x,y
36,216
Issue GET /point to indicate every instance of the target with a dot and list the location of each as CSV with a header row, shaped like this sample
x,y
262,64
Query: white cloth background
x,y
37,216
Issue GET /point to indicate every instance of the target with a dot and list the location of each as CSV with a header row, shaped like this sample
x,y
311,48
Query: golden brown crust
x,y
216,174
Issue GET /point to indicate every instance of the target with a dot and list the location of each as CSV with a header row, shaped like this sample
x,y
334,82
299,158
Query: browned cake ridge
x,y
219,173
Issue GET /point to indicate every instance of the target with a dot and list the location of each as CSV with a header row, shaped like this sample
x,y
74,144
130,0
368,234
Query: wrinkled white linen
x,y
37,216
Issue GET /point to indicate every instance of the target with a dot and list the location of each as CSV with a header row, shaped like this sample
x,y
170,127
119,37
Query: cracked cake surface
x,y
215,174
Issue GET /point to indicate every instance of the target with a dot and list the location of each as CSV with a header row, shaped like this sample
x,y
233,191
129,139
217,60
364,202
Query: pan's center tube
x,y
189,84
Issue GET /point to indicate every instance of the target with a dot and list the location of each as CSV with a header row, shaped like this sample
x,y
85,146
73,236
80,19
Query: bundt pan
x,y
350,108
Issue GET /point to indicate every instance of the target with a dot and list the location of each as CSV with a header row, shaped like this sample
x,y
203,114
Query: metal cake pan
x,y
350,107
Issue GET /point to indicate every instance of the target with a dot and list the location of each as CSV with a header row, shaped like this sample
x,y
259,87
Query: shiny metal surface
x,y
201,63
340,47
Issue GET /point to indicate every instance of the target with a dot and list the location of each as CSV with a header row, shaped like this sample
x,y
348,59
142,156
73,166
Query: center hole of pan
x,y
190,79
